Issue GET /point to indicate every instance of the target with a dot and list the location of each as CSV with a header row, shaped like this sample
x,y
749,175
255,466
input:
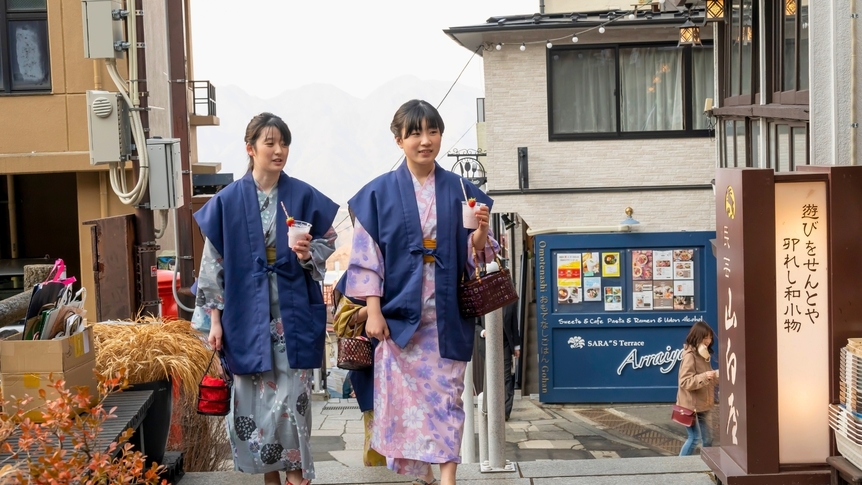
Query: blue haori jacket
x,y
231,221
387,209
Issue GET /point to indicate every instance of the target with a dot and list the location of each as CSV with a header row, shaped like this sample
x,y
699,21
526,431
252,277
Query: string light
x,y
574,37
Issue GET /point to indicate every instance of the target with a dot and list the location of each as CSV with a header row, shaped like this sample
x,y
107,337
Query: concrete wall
x,y
517,116
835,94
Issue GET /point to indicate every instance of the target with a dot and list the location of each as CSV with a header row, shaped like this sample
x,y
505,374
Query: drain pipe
x,y
854,124
542,6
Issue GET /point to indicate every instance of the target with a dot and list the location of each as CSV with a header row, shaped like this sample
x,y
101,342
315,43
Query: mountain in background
x,y
339,142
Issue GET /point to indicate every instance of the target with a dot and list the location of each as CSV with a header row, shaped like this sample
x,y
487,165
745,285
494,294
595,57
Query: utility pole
x,y
179,78
145,235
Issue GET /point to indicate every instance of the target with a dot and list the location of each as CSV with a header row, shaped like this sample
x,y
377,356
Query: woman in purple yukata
x,y
410,249
264,304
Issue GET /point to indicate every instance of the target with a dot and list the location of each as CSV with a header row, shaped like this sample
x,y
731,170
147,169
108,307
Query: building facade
x,y
50,187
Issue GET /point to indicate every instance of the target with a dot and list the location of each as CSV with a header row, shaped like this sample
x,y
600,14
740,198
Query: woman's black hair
x,y
412,114
256,128
699,331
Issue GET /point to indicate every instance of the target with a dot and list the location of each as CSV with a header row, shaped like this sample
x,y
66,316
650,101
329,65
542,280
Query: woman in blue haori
x,y
410,248
265,303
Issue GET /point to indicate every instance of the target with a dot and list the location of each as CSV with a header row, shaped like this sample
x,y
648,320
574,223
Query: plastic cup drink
x,y
297,232
468,215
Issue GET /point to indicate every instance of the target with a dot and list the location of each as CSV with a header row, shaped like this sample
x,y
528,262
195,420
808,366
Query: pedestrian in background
x,y
410,249
349,321
265,305
697,381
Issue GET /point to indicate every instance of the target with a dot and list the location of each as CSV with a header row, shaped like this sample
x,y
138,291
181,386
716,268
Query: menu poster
x,y
683,303
684,288
663,295
591,264
642,295
568,270
642,265
683,270
592,289
662,265
611,265
613,298
570,294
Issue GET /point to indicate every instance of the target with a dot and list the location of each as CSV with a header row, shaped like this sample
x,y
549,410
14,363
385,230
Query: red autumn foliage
x,y
40,458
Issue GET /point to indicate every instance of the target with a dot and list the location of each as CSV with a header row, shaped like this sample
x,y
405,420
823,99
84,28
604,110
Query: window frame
x,y
5,56
779,95
687,93
731,98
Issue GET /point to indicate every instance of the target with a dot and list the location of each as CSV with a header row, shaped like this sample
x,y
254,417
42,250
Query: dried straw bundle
x,y
153,350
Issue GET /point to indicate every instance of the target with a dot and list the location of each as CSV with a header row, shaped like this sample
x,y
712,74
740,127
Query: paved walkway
x,y
551,444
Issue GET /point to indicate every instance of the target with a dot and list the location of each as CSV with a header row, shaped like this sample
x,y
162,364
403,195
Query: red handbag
x,y
683,416
214,392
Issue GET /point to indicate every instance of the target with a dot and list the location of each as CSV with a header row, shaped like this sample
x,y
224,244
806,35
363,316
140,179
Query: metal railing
x,y
204,96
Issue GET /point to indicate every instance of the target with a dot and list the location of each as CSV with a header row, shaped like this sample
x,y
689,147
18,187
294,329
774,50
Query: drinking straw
x,y
464,190
284,209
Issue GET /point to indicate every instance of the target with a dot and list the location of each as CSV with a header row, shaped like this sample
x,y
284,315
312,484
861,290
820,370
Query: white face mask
x,y
703,351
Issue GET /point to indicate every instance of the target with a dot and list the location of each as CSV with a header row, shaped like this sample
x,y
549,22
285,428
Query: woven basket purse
x,y
483,294
355,353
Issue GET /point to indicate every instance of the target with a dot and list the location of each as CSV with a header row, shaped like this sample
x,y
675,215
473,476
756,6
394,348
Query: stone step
x,y
669,470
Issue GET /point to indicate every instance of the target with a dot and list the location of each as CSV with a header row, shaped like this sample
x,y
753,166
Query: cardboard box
x,y
29,365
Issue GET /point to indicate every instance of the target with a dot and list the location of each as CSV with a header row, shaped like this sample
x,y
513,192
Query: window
x,y
791,53
741,53
789,146
628,91
24,57
735,149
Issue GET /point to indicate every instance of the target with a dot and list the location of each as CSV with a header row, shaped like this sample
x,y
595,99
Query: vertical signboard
x,y
745,257
802,295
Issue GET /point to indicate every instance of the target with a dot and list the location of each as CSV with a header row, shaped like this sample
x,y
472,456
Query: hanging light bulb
x,y
523,47
602,29
549,44
574,38
499,46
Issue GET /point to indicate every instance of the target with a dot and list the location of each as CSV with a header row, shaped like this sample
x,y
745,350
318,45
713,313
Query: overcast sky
x,y
269,46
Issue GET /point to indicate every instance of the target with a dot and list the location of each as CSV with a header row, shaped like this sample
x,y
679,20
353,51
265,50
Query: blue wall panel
x,y
588,353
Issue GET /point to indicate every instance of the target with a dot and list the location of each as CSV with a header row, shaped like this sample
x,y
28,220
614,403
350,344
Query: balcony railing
x,y
203,103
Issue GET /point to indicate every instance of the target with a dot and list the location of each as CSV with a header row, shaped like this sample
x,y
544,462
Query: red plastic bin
x,y
166,293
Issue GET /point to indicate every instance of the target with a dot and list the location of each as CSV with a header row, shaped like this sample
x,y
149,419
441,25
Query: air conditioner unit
x,y
108,124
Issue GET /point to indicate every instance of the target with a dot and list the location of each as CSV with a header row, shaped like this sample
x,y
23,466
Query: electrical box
x,y
103,26
166,173
108,124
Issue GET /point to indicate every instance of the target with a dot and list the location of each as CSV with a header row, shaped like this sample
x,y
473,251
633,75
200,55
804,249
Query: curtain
x,y
582,90
651,85
703,83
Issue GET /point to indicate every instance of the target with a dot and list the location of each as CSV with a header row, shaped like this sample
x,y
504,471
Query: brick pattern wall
x,y
516,115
